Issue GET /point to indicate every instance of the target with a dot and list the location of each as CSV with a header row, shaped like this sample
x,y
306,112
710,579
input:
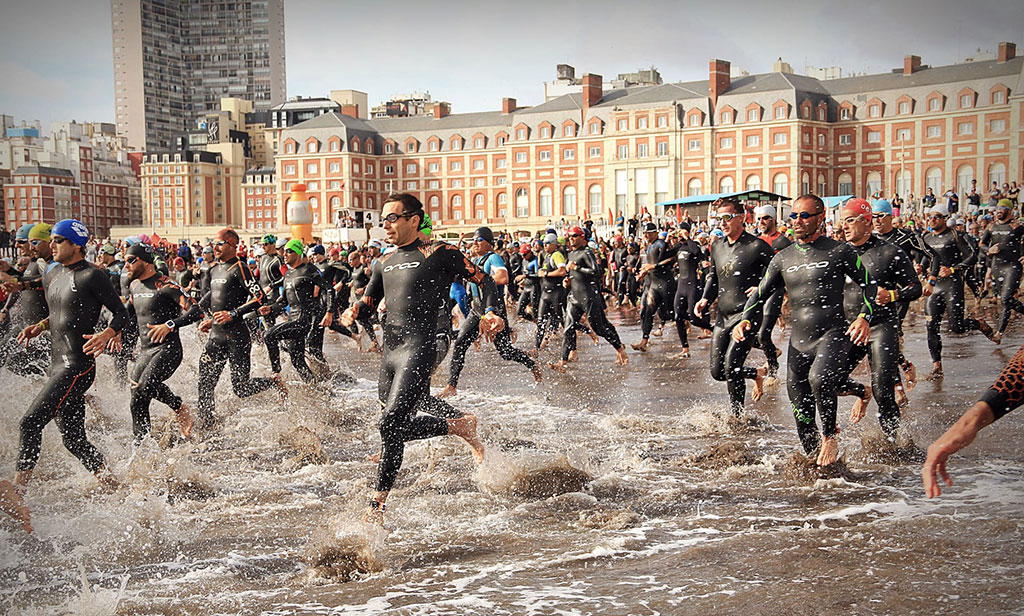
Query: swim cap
x,y
281,243
684,226
40,231
295,246
207,250
108,249
269,238
882,206
939,209
576,231
857,207
179,262
525,249
663,235
485,234
317,250
550,238
1005,203
74,230
375,244
428,225
765,210
592,245
23,231
131,240
718,233
650,227
142,251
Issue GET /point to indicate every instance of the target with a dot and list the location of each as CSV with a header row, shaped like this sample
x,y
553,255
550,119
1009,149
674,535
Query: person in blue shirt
x,y
494,266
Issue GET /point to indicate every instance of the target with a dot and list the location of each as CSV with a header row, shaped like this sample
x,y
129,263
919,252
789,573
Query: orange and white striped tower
x,y
300,216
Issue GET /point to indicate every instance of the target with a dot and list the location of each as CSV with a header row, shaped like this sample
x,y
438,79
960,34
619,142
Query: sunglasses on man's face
x,y
802,215
20,242
35,243
131,260
221,243
393,218
878,215
767,218
574,235
56,239
727,217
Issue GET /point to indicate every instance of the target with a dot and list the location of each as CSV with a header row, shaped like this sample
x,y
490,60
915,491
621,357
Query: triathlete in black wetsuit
x,y
161,309
1004,244
660,284
413,280
494,266
689,256
271,266
28,307
585,300
529,294
813,272
738,262
231,285
897,283
303,288
951,256
75,290
360,279
771,235
552,292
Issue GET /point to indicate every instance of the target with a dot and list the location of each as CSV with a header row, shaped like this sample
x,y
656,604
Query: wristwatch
x,y
170,325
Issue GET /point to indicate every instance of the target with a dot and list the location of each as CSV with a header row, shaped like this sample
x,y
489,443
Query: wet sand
x,y
671,508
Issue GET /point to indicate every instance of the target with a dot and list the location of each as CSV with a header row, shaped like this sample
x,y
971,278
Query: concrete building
x,y
260,200
175,59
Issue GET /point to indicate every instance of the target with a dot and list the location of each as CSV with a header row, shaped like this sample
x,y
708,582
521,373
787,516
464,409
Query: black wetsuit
x,y
735,267
28,307
157,300
660,285
689,255
585,299
271,277
815,275
551,307
130,335
891,269
304,293
360,279
414,280
75,295
619,259
772,310
948,248
913,246
1006,267
470,329
231,284
529,293
628,286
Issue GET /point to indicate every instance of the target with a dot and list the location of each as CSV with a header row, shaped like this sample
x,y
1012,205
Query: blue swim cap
x,y
131,240
318,249
718,233
882,206
663,235
23,230
74,230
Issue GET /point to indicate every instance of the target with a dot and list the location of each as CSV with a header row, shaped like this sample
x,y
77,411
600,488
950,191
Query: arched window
x,y
544,203
780,184
997,174
933,179
434,202
335,202
457,201
369,147
904,185
522,203
726,185
822,187
753,182
845,184
594,198
569,201
805,183
478,200
694,187
873,183
964,175
502,199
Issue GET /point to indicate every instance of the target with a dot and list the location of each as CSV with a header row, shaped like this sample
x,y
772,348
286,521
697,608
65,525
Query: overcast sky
x,y
56,57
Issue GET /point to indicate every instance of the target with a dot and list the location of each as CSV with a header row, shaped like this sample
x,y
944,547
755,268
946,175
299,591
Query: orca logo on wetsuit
x,y
219,281
795,268
402,266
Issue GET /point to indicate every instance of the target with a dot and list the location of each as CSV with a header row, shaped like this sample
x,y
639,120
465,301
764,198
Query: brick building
x,y
600,154
260,199
41,194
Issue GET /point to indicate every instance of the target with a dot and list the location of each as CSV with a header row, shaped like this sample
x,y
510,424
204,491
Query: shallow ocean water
x,y
608,490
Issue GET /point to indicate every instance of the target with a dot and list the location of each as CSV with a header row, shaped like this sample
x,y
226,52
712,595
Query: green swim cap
x,y
269,238
40,231
428,225
295,246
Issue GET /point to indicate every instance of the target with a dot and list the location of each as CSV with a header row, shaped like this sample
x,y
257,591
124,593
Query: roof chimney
x,y
441,110
351,111
1007,51
591,90
911,64
508,105
718,79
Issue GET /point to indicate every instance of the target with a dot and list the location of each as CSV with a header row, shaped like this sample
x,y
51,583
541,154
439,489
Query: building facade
x,y
41,194
175,59
260,199
598,154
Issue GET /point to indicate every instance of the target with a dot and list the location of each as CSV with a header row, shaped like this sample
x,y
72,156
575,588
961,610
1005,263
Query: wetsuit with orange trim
x,y
772,309
75,295
232,288
414,280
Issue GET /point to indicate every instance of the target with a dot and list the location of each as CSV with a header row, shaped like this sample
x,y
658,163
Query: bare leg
x,y
620,356
12,501
860,407
448,391
465,428
538,375
936,373
185,422
758,390
829,451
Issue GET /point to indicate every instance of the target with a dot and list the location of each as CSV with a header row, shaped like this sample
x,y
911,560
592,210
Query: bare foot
x,y
860,407
537,373
374,347
12,503
901,397
771,381
282,389
997,337
373,457
911,373
574,355
659,331
936,373
593,337
704,335
465,428
107,480
374,515
684,354
185,422
829,451
989,333
620,356
558,366
533,353
758,391
448,391
641,346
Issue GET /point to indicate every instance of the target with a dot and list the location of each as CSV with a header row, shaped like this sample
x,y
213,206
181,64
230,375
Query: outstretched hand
x,y
491,325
